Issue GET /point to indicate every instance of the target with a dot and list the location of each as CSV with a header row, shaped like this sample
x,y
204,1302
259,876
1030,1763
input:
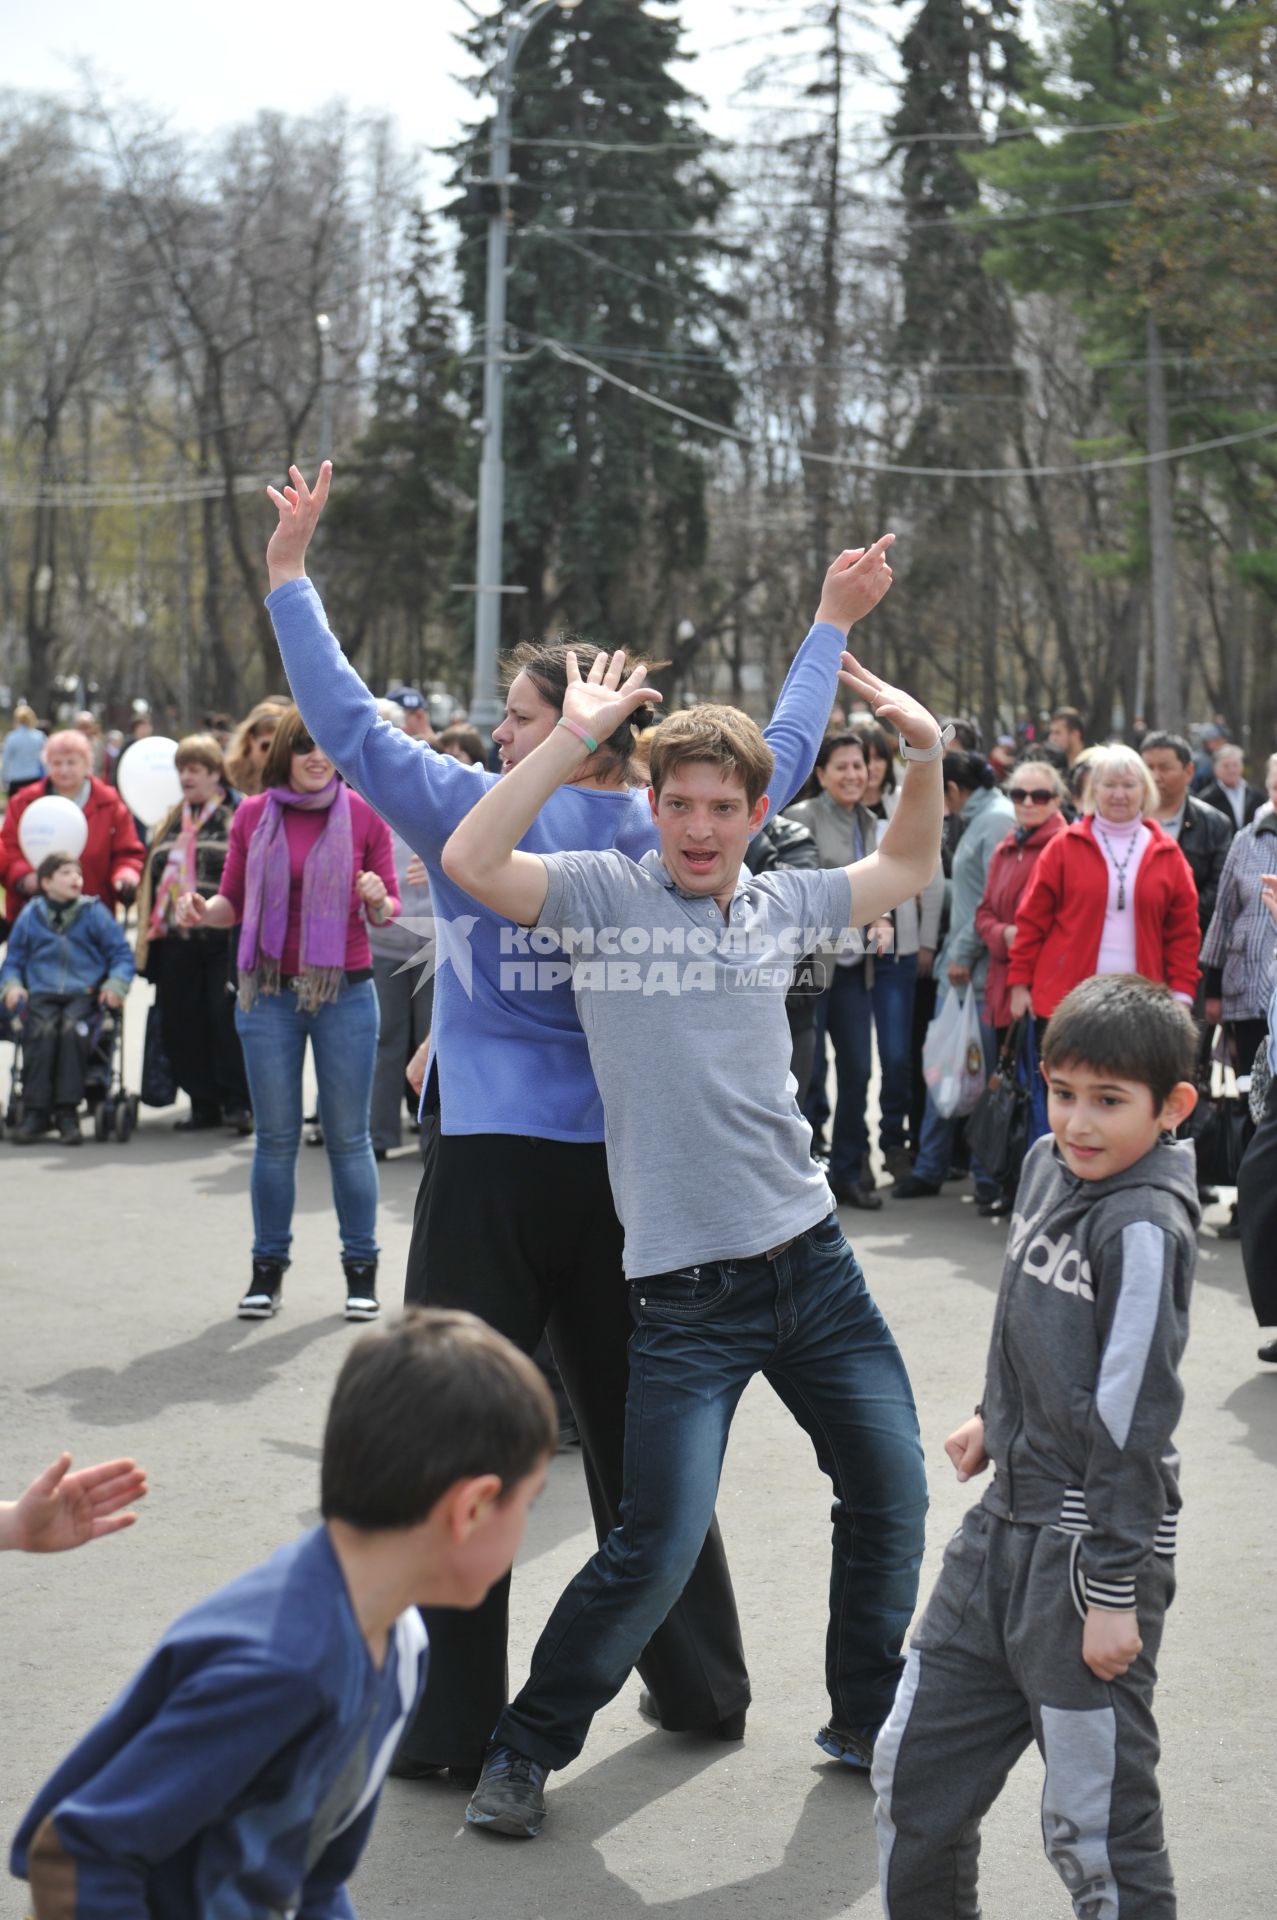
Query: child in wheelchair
x,y
67,958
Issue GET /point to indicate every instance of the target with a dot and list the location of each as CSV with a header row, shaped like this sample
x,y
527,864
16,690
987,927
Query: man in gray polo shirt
x,y
735,1259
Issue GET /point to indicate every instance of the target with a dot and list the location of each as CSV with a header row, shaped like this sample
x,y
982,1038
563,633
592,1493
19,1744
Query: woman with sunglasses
x,y
309,864
1036,791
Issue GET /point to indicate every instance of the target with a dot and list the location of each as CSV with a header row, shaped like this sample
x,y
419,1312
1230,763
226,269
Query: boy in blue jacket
x,y
65,952
237,1776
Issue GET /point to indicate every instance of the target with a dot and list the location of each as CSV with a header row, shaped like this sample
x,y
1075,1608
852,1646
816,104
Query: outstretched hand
x,y
299,508
915,725
855,583
603,701
61,1509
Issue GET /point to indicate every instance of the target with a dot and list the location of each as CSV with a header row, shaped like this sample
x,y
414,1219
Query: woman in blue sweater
x,y
514,1218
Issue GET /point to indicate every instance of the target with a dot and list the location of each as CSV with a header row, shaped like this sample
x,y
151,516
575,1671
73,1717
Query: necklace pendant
x,y
1121,893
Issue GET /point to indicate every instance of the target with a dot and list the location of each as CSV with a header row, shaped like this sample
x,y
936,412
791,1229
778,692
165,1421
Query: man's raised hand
x,y
855,583
602,701
299,508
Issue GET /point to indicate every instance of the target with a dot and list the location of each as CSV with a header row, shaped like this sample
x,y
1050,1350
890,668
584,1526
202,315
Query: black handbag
x,y
998,1127
1219,1127
159,1082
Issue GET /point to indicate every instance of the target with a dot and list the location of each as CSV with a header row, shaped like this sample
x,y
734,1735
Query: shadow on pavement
x,y
829,1860
225,1364
1255,1405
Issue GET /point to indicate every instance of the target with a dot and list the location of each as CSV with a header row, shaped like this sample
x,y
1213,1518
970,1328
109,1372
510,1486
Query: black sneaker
x,y
853,1746
69,1134
263,1299
510,1796
361,1289
33,1126
910,1187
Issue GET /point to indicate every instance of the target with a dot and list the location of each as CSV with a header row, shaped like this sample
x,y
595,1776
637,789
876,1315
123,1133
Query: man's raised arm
x,y
907,855
482,854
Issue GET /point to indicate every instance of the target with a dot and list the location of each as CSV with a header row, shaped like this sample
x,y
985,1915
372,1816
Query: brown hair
x,y
1122,1024
52,861
462,735
439,1397
279,761
201,750
722,737
546,664
242,770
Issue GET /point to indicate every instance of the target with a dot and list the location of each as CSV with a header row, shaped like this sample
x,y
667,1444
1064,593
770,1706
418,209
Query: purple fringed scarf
x,y
327,877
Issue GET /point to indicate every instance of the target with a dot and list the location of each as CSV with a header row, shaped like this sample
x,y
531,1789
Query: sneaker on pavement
x,y
262,1301
853,1746
361,1289
69,1134
510,1796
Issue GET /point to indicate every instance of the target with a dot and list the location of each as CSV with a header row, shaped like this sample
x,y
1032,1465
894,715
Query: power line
x,y
921,473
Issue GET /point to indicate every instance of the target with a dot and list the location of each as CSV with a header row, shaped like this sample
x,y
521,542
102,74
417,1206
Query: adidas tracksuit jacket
x,y
1082,1396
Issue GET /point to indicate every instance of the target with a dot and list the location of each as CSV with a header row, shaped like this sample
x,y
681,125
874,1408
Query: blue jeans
x,y
935,1147
851,1013
343,1035
805,1320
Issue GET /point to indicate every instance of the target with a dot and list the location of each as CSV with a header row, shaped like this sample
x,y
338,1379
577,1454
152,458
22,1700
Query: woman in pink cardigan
x,y
308,864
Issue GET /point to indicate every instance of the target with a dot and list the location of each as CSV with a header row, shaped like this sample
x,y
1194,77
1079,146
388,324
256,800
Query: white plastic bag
x,y
953,1063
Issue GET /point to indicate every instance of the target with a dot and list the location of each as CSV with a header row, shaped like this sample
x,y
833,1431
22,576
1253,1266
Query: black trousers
x,y
55,1050
524,1233
1257,1213
197,1018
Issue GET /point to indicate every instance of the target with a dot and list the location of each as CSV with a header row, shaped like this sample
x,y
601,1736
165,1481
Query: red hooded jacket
x,y
112,855
1060,920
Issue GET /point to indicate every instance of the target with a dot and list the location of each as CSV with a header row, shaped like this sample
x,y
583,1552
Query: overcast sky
x,y
210,66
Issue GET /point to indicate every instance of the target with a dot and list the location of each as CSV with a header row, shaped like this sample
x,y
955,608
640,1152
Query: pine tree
x,y
963,64
614,195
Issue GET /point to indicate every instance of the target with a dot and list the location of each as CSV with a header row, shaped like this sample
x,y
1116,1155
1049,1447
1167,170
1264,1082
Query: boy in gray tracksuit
x,y
1047,1616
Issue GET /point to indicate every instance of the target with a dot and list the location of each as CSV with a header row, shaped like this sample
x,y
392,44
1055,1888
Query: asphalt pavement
x,y
122,1266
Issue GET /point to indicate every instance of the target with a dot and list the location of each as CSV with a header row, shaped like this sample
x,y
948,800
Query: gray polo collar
x,y
652,863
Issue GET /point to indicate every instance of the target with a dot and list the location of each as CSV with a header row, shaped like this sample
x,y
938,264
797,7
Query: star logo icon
x,y
443,942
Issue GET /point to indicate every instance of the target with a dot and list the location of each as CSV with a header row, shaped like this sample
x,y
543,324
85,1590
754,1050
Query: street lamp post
x,y
323,327
485,706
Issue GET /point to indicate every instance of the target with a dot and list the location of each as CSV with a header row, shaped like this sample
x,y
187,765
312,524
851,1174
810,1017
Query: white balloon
x,y
148,779
52,824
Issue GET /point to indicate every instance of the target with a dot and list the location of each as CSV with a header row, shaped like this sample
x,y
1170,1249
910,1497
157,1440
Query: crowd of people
x,y
622,887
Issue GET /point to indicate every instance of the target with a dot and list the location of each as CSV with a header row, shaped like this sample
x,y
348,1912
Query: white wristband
x,y
932,752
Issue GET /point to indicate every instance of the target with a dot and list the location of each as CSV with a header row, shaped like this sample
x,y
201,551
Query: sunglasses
x,y
1020,796
303,744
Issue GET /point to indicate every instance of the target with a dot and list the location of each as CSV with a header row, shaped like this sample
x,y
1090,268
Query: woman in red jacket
x,y
112,858
1036,791
1111,894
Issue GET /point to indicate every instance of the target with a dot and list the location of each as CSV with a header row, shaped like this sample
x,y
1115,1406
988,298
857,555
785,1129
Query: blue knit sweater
x,y
238,1774
510,1054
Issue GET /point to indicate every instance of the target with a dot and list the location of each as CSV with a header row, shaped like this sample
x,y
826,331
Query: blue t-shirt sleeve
x,y
423,794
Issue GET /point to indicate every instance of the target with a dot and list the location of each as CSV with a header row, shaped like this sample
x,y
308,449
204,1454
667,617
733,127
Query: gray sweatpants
x,y
405,1022
995,1663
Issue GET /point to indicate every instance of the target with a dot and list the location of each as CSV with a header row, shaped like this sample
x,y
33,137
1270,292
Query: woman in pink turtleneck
x,y
1112,894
